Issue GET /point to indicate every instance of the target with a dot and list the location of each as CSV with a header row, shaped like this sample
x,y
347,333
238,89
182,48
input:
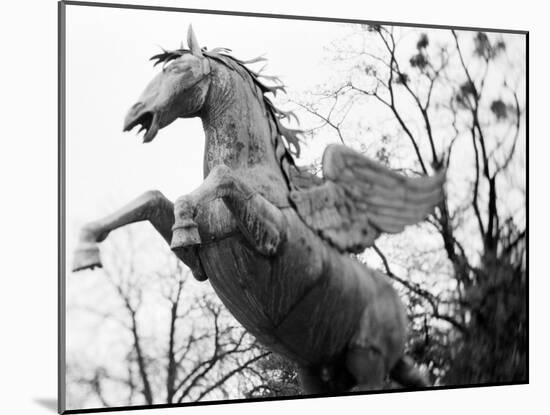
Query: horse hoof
x,y
86,257
185,234
268,243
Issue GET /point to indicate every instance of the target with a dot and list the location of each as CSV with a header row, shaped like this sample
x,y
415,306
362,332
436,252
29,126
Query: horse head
x,y
242,126
178,91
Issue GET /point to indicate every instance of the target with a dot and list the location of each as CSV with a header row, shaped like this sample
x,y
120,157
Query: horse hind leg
x,y
260,222
311,381
379,340
369,369
367,366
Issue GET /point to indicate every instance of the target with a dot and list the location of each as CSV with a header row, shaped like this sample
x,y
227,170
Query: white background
x,y
28,179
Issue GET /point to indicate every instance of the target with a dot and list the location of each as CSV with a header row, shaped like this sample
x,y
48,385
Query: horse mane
x,y
285,140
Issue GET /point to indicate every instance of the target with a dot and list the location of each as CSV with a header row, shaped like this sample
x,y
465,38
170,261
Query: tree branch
x,y
226,377
429,297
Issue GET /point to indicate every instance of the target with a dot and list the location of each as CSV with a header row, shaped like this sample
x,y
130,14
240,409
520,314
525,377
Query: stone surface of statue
x,y
273,240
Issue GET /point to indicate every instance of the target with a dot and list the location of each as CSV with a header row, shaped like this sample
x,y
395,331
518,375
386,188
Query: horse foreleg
x,y
152,206
261,222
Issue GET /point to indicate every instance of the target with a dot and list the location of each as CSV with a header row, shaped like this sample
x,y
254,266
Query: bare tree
x,y
180,344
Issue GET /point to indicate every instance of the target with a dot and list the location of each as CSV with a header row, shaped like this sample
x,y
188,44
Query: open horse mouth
x,y
147,120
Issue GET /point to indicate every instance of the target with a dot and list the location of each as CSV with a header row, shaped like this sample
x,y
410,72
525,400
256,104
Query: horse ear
x,y
193,42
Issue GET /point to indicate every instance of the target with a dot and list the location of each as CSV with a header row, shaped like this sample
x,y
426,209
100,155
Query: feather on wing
x,y
360,199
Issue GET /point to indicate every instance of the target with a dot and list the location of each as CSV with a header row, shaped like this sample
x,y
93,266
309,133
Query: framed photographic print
x,y
262,207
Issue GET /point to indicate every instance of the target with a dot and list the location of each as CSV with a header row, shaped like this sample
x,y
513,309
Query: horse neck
x,y
236,125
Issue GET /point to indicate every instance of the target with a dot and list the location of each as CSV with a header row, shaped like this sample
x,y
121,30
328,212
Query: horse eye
x,y
179,67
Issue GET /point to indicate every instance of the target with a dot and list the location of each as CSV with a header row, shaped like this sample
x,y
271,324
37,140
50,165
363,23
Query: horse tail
x,y
407,374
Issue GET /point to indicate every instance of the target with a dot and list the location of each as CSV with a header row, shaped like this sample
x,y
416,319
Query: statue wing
x,y
360,199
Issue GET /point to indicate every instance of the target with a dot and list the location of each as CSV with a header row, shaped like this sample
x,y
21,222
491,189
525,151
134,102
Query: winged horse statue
x,y
273,240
